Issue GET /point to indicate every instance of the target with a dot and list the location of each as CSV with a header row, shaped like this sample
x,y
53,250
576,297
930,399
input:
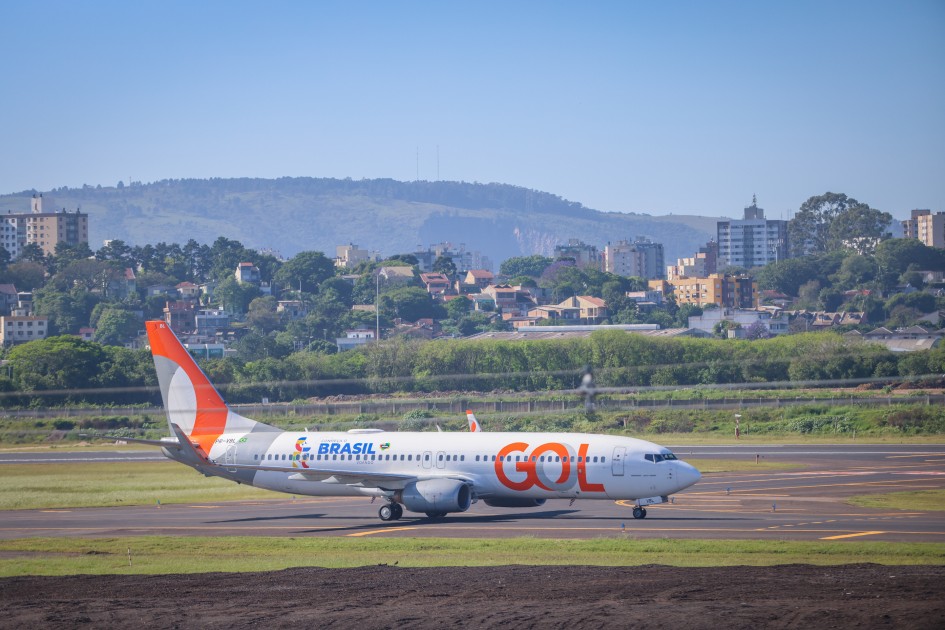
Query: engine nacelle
x,y
435,495
514,503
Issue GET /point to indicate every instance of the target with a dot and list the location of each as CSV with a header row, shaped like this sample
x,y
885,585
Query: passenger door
x,y
616,467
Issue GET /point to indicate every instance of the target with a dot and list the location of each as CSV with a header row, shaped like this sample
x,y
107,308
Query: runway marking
x,y
852,535
56,511
205,507
386,530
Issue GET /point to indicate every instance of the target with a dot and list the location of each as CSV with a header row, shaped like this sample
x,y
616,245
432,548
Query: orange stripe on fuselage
x,y
210,421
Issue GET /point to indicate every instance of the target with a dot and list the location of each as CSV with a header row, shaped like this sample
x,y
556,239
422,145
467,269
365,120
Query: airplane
x,y
429,473
474,425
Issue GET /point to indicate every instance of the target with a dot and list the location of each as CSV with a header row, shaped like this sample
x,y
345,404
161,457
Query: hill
x,y
290,215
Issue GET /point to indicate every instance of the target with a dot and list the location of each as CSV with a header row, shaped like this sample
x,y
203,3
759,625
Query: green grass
x,y
158,554
44,486
918,500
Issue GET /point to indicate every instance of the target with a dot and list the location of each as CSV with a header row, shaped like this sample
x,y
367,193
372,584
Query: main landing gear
x,y
639,512
390,512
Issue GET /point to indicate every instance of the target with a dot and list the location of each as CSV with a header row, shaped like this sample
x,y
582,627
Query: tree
x,y
234,296
67,311
855,270
33,253
829,221
116,326
444,265
895,255
262,316
410,304
458,307
305,270
54,363
532,266
25,275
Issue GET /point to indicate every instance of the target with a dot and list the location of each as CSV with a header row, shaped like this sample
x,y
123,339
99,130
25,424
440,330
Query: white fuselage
x,y
496,465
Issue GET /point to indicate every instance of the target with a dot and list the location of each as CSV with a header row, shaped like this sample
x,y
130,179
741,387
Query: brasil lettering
x,y
534,469
357,448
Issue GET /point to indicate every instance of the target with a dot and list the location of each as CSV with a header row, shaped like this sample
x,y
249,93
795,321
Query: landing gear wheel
x,y
639,512
398,511
436,515
386,513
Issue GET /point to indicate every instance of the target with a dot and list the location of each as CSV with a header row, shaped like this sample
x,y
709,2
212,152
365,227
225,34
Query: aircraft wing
x,y
346,477
364,478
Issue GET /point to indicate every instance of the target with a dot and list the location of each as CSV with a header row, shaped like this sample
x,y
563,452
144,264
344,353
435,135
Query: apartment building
x,y
752,241
926,227
46,229
348,256
719,289
584,255
15,329
702,265
641,258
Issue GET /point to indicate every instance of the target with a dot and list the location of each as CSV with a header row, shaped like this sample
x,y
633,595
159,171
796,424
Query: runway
x,y
803,504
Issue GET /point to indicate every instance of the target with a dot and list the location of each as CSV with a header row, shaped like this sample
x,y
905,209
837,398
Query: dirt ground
x,y
792,596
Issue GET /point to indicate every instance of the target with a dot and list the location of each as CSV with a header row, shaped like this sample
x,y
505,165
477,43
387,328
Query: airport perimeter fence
x,y
457,408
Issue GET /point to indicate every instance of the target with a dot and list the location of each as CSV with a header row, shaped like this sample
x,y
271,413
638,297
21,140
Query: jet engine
x,y
514,503
435,496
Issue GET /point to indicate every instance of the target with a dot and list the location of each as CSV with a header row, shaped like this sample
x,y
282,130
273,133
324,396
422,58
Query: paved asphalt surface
x,y
802,504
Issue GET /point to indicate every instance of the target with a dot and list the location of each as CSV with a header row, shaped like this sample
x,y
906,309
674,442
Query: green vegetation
x,y
52,486
155,555
918,500
738,465
650,416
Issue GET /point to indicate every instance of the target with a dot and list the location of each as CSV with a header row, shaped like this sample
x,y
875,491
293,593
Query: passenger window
x,y
462,458
603,459
409,458
493,458
439,457
426,458
477,458
401,458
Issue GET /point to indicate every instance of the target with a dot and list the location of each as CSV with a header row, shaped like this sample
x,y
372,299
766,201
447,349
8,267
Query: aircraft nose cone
x,y
687,475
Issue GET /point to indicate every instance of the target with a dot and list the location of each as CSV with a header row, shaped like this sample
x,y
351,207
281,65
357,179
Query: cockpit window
x,y
659,457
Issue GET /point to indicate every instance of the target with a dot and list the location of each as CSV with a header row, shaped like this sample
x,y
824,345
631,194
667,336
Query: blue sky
x,y
656,107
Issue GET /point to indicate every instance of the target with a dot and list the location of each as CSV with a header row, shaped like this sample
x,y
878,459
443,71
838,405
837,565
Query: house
x,y
188,291
292,309
354,338
15,329
555,313
908,339
591,309
401,275
479,277
437,284
122,287
248,273
86,334
160,289
181,316
208,321
776,323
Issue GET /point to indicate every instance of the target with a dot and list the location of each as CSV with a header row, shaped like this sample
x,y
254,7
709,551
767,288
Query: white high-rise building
x,y
753,241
